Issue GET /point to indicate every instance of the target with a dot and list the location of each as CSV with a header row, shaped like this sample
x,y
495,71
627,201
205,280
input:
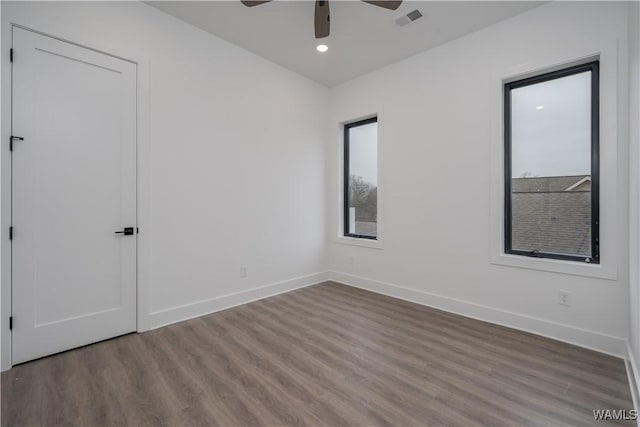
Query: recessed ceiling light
x,y
540,107
322,48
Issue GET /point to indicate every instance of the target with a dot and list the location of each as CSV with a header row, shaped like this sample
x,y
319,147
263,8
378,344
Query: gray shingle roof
x,y
548,219
544,184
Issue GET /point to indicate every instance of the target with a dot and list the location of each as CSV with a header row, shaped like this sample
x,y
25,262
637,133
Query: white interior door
x,y
73,187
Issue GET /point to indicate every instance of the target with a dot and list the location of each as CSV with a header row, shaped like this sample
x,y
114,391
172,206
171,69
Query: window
x,y
551,165
361,179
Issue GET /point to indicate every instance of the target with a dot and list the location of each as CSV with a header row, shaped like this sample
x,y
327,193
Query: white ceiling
x,y
363,37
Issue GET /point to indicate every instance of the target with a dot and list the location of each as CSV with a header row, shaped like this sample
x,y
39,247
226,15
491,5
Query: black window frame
x,y
594,67
345,176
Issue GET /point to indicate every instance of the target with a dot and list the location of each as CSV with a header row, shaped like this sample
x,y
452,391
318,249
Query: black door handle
x,y
127,231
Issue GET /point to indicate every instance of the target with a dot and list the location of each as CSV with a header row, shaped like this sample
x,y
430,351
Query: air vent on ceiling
x,y
408,18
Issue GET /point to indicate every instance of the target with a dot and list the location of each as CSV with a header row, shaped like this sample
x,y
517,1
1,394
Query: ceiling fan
x,y
322,19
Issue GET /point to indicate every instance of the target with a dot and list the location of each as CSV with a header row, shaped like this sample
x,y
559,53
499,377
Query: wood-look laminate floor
x,y
323,355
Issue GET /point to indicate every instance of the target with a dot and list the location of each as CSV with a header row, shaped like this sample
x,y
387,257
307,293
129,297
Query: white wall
x,y
232,163
634,183
440,118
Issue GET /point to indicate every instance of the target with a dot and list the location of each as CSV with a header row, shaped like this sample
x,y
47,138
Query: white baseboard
x,y
200,308
603,343
632,374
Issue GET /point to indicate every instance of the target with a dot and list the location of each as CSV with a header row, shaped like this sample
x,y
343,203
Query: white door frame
x,y
143,165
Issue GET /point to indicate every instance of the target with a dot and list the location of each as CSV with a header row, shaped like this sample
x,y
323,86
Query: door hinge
x,y
10,322
11,55
10,233
14,138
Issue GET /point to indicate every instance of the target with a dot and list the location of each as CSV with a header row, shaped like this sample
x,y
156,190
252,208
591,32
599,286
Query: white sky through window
x,y
551,127
363,152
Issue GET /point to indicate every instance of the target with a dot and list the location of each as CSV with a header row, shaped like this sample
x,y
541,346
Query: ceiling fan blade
x,y
250,3
322,19
387,4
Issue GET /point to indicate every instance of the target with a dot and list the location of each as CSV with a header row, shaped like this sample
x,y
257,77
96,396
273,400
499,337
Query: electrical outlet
x,y
244,271
564,298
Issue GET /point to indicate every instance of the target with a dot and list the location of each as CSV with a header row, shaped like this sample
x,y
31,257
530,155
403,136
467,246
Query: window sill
x,y
575,268
354,241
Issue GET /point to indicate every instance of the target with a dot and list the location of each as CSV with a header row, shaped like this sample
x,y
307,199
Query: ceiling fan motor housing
x,y
322,19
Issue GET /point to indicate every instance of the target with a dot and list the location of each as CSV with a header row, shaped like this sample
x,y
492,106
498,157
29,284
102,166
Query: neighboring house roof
x,y
583,185
546,183
551,214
